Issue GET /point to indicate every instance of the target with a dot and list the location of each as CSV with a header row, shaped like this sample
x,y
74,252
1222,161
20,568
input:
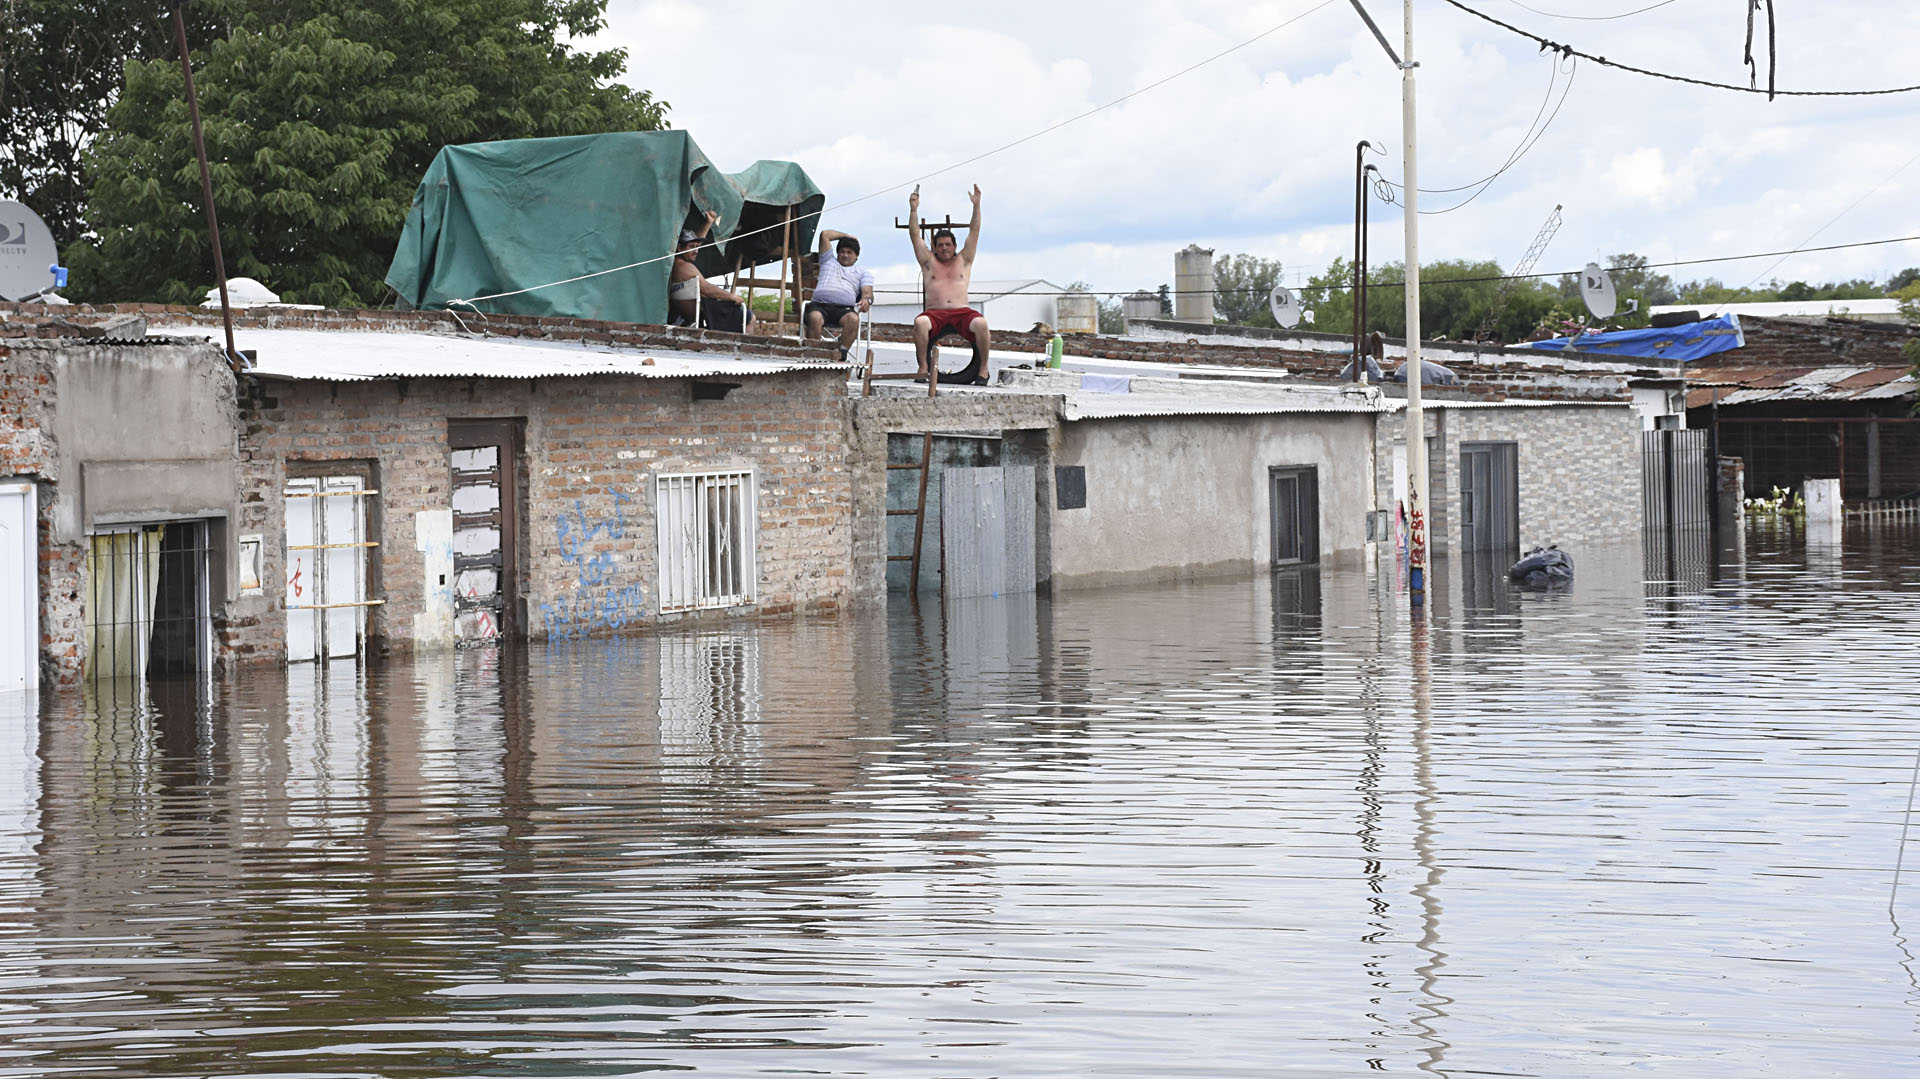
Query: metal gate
x,y
987,531
484,460
1676,480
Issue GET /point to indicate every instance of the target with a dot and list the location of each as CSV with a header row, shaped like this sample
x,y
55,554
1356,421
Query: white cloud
x,y
1254,152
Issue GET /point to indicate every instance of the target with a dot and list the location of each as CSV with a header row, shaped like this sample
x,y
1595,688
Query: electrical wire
x,y
1836,217
936,172
1568,50
1527,142
1591,18
1429,282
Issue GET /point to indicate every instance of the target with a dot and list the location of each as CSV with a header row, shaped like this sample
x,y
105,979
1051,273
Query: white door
x,y
19,587
326,586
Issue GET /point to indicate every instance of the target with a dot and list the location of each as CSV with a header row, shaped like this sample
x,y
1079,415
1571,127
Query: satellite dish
x,y
1285,306
1596,288
27,254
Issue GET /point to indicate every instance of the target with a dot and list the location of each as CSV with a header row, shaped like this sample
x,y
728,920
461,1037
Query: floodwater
x,y
1213,829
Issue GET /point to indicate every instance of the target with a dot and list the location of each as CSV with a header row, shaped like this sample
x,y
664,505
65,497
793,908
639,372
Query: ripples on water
x,y
1210,829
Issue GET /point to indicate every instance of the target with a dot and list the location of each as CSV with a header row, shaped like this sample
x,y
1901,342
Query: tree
x,y
1902,279
1241,284
320,119
61,63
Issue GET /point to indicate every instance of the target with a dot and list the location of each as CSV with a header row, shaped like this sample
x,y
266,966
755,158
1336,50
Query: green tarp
x,y
496,217
768,189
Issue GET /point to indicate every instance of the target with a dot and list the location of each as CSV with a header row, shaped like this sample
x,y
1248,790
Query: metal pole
x,y
1416,421
1366,212
206,183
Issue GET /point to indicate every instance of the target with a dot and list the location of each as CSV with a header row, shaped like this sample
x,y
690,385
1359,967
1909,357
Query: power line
x,y
1427,282
1527,142
1591,18
1270,31
1568,50
1836,217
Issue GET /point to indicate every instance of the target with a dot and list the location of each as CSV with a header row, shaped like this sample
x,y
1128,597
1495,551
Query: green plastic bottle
x,y
1055,349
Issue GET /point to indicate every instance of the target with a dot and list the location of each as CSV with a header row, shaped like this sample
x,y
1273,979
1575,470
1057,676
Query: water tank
x,y
1077,312
1140,305
1193,285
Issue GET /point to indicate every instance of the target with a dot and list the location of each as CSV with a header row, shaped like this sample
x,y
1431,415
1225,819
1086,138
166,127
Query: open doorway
x,y
149,603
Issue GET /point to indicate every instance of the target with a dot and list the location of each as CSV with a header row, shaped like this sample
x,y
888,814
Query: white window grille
x,y
707,530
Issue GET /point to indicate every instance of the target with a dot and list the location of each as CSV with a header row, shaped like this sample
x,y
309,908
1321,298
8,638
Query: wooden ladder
x,y
918,512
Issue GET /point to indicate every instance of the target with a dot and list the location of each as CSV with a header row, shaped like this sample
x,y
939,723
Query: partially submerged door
x,y
1489,496
326,566
19,587
1294,496
484,459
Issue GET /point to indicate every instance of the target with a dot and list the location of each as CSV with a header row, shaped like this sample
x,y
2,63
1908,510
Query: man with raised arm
x,y
946,269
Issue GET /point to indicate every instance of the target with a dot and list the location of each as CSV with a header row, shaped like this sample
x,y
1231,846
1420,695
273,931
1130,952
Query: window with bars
x,y
148,608
706,524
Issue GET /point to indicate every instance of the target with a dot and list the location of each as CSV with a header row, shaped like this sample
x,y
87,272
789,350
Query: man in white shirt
x,y
843,292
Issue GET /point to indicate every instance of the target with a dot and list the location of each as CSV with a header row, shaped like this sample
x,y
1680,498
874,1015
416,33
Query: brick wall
x,y
1827,342
27,451
593,447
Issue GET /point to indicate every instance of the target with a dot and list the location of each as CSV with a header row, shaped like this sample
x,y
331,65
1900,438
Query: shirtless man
x,y
946,269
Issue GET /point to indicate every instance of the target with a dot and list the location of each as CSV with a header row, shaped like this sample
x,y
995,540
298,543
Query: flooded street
x,y
1222,828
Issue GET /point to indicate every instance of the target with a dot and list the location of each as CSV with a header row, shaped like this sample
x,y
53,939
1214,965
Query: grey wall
x,y
1175,496
148,431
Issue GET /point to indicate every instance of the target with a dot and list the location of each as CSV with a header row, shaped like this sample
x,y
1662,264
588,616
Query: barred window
x,y
706,524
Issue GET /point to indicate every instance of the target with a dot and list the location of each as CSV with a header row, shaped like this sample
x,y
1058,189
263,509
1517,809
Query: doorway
x,y
19,586
484,457
1489,496
1294,498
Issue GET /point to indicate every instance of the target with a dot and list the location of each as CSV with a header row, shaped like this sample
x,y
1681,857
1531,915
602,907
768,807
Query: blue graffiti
x,y
598,600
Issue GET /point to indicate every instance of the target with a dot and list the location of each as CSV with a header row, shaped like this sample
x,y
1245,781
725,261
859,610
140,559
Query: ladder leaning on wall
x,y
919,510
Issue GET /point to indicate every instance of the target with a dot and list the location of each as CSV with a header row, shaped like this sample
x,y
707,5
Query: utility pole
x,y
1416,421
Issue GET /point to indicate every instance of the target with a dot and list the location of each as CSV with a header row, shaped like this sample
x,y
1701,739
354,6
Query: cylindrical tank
x,y
1077,312
1140,305
1193,285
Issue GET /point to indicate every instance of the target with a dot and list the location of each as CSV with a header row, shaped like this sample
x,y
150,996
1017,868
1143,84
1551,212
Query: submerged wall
x,y
593,448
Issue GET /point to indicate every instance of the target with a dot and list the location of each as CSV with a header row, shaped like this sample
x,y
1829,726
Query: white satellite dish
x,y
1596,289
27,254
1285,306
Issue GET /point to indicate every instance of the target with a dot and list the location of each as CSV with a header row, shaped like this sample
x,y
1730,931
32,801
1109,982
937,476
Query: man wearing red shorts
x,y
947,269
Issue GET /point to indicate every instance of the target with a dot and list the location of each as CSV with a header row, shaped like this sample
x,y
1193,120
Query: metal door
x,y
19,587
484,460
326,566
987,531
1489,496
1294,515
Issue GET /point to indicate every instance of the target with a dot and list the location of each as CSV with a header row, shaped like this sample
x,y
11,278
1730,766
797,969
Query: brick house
x,y
376,483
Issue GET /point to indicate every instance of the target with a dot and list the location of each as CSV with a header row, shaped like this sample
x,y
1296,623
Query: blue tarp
x,y
1689,342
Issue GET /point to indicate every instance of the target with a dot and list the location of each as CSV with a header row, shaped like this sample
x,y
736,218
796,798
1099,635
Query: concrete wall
x,y
1177,496
593,449
114,433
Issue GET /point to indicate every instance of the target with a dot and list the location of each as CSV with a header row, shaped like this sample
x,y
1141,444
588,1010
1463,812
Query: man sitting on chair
x,y
946,269
691,297
842,293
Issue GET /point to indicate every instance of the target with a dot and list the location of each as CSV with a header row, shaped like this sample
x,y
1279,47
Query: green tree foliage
x,y
1455,295
61,63
1241,284
320,118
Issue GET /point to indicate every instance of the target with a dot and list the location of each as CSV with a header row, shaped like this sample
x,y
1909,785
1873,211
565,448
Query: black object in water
x,y
1542,567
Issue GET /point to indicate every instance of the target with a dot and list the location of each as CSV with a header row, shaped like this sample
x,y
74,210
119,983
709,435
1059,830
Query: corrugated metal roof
x,y
1851,383
347,356
1111,406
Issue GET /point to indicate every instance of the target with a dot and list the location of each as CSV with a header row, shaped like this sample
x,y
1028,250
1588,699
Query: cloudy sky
x,y
1253,152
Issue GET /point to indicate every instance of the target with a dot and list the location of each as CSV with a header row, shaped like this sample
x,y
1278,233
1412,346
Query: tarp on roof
x,y
1690,341
768,189
496,217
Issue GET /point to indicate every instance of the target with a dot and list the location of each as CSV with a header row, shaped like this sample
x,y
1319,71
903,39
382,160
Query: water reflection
x,y
1224,828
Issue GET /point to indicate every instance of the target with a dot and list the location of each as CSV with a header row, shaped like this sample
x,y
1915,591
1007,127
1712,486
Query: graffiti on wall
x,y
600,600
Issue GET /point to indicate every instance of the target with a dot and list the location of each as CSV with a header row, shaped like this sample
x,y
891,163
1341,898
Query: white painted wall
x,y
1186,495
